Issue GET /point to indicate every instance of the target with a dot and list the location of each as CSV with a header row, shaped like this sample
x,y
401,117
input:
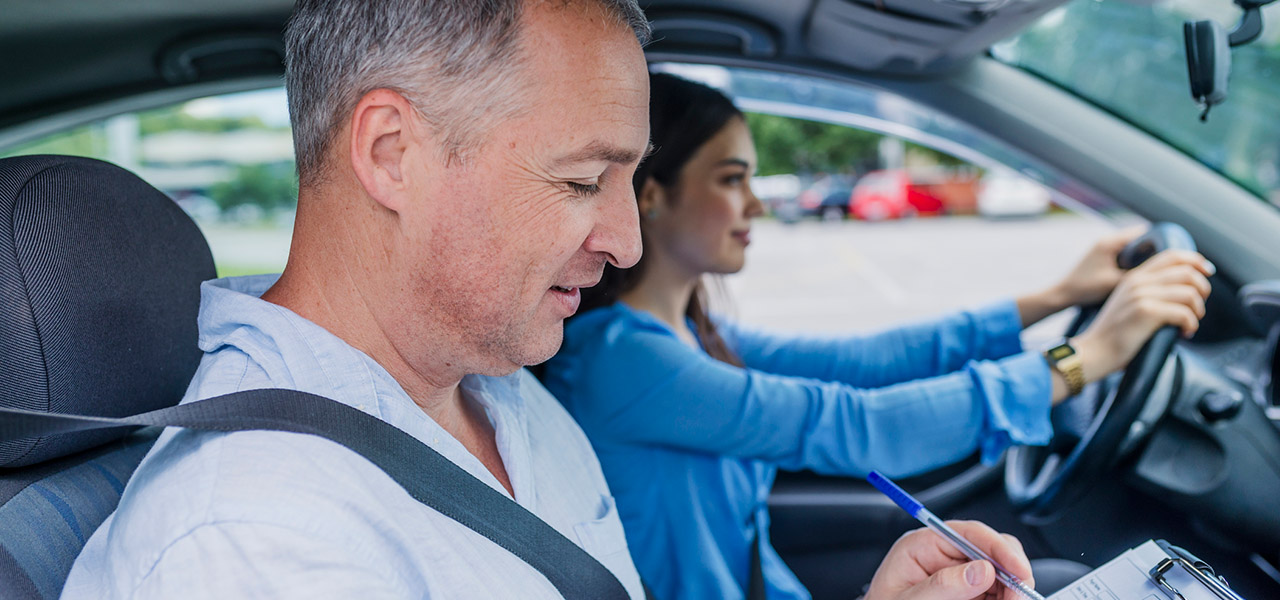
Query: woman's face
x,y
705,222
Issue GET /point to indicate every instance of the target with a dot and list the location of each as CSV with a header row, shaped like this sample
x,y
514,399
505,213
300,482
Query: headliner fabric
x,y
99,291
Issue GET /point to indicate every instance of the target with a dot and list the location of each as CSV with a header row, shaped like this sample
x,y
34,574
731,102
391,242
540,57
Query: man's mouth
x,y
563,290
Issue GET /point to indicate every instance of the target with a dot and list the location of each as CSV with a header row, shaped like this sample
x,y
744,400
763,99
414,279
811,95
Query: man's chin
x,y
535,350
545,347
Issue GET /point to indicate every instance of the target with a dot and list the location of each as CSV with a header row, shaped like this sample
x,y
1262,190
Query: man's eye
x,y
583,189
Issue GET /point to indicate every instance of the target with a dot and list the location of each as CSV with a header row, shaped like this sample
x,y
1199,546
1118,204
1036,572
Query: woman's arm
x,y
646,387
916,351
935,347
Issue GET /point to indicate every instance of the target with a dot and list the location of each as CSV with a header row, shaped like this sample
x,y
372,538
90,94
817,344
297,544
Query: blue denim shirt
x,y
266,514
690,445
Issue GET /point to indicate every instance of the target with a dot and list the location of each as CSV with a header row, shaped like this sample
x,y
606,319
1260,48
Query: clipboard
x,y
1154,570
1199,570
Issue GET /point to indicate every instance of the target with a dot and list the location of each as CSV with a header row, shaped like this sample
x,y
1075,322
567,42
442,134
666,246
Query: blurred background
x,y
879,210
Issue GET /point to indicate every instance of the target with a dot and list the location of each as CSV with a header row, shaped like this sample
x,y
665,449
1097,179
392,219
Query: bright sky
x,y
269,105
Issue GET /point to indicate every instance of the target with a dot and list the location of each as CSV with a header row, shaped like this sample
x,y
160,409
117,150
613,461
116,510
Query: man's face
x,y
507,237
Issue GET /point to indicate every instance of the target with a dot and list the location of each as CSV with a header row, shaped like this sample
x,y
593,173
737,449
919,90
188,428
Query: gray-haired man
x,y
465,166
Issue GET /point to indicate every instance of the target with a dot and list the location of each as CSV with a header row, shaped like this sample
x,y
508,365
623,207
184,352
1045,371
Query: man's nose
x,y
617,230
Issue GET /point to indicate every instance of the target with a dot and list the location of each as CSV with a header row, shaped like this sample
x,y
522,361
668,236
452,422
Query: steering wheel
x,y
1096,428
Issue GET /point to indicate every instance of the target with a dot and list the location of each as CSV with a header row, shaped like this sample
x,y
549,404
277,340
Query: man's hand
x,y
1170,288
923,566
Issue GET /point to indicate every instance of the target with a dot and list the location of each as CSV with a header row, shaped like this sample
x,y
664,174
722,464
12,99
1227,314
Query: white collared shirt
x,y
264,514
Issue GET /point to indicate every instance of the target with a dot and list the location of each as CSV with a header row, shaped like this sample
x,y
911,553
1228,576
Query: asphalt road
x,y
857,276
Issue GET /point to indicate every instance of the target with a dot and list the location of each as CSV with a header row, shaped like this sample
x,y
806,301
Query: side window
x,y
882,211
226,160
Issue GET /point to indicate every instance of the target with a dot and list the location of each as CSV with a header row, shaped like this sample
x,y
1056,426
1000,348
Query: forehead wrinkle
x,y
598,150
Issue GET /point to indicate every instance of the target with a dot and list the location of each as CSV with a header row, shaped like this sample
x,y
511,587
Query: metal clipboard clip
x,y
1198,569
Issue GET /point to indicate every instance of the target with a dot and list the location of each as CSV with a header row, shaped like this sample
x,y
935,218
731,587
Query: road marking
x,y
876,278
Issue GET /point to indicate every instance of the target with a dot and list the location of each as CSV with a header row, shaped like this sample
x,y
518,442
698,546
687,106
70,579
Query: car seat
x,y
99,292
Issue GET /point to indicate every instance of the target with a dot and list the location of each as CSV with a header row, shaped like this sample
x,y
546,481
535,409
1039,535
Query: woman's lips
x,y
743,236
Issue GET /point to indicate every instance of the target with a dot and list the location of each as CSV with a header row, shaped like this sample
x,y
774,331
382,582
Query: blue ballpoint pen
x,y
917,510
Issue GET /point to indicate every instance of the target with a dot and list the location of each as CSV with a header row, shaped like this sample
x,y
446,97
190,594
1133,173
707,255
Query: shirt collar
x,y
299,354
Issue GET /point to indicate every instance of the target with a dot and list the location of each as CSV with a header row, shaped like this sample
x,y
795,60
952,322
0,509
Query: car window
x,y
1145,79
881,210
884,211
227,160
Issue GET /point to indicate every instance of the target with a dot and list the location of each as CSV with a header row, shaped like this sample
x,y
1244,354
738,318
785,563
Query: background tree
x,y
270,187
786,145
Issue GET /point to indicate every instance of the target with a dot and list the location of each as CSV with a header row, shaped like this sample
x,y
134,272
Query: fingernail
x,y
973,573
1212,268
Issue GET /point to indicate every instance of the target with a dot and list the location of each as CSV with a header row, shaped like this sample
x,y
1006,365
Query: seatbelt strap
x,y
424,473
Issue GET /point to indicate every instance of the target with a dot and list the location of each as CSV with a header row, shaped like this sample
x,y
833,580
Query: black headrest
x,y
99,291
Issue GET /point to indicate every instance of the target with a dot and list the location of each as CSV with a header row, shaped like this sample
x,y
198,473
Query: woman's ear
x,y
653,198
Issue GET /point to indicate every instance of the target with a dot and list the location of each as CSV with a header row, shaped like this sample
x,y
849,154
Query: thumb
x,y
961,582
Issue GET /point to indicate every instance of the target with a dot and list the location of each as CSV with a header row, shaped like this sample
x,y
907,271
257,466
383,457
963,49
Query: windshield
x,y
1129,58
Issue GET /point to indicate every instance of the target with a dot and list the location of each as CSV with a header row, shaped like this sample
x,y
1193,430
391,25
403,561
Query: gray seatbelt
x,y
429,477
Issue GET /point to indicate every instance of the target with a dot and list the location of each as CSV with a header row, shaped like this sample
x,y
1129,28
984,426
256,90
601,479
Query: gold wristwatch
x,y
1063,359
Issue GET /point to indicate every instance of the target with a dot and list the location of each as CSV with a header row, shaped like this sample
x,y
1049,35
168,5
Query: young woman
x,y
691,416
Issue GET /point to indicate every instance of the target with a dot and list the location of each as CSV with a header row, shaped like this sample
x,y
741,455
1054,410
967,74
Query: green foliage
x,y
270,187
174,118
81,141
786,145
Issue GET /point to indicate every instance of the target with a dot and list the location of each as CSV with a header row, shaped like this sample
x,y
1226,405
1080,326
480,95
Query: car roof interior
x,y
77,52
82,60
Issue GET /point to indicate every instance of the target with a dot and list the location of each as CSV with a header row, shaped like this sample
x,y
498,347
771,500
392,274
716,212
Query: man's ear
x,y
653,198
384,135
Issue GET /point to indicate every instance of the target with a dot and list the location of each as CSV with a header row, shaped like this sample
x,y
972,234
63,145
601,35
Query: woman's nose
x,y
754,206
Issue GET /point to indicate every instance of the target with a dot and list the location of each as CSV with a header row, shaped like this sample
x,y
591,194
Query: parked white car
x,y
1004,194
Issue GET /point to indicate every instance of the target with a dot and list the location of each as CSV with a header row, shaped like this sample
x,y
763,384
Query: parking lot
x,y
836,276
852,275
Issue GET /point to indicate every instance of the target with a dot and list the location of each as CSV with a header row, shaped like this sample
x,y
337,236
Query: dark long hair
x,y
683,116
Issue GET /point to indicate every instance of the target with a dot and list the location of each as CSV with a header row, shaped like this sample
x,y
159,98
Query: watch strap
x,y
1066,362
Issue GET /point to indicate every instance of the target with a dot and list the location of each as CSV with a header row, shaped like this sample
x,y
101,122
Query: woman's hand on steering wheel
x,y
1088,283
1097,274
1170,288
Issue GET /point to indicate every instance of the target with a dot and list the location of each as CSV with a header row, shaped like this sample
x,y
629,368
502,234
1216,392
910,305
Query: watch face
x,y
1060,352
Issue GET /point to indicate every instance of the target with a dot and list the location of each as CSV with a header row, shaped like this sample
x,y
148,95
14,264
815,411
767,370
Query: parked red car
x,y
889,194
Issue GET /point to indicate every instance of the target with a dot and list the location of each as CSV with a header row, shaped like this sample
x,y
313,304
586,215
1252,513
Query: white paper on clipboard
x,y
1125,578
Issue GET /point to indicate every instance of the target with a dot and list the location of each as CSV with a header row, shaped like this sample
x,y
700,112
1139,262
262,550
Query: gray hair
x,y
452,59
